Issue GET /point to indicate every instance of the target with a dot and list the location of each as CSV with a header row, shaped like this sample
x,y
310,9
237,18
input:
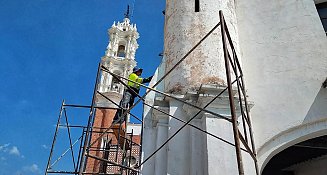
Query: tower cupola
x,y
122,42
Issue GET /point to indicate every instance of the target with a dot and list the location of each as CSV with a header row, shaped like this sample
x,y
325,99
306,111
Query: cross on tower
x,y
127,12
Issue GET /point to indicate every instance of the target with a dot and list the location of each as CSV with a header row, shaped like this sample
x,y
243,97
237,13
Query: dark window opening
x,y
115,84
322,11
197,5
121,51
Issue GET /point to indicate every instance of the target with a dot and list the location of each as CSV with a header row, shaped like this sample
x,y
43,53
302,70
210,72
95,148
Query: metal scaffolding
x,y
243,139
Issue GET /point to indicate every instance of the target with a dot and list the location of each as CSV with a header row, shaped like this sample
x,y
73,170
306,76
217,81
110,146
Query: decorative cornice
x,y
157,115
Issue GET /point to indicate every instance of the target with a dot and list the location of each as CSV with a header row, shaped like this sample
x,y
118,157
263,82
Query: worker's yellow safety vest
x,y
135,78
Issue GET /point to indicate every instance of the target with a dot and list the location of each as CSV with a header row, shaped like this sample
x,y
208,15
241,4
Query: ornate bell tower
x,y
119,58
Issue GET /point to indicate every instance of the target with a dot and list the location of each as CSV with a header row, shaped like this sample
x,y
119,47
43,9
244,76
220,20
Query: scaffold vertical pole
x,y
231,98
251,132
55,137
242,86
88,129
70,139
80,148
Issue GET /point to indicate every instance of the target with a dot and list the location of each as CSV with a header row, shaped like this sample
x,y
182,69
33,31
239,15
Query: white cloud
x,y
44,146
4,148
10,150
14,151
32,169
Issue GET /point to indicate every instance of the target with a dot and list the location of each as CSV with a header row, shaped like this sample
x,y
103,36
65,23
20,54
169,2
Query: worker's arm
x,y
147,80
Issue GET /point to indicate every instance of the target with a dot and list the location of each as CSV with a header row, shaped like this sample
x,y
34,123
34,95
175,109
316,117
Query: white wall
x,y
136,128
149,132
284,54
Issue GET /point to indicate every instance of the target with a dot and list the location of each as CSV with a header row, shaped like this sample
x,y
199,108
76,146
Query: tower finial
x,y
127,12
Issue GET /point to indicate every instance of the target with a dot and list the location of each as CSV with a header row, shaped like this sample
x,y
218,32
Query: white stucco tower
x,y
119,58
199,78
184,25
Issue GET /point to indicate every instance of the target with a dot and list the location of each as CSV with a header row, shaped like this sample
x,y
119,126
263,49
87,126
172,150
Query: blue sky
x,y
49,51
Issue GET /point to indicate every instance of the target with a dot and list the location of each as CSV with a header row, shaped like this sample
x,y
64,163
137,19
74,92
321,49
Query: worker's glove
x,y
147,80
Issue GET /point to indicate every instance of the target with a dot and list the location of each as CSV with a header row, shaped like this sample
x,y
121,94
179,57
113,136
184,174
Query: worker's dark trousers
x,y
125,103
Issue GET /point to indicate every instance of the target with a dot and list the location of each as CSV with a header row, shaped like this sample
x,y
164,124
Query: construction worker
x,y
128,99
130,94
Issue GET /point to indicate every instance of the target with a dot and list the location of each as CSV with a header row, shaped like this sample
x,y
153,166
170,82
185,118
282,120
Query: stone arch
x,y
289,138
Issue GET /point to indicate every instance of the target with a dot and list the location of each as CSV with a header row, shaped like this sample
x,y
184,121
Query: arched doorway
x,y
306,158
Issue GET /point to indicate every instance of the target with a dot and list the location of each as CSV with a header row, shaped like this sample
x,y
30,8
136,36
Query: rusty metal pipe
x,y
54,137
85,106
80,149
70,138
231,99
113,163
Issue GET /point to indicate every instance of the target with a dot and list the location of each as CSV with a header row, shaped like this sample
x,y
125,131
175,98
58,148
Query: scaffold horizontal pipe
x,y
113,163
85,106
94,129
119,107
61,172
102,173
170,96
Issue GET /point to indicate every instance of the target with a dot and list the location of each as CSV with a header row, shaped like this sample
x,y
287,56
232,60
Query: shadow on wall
x,y
318,109
313,125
